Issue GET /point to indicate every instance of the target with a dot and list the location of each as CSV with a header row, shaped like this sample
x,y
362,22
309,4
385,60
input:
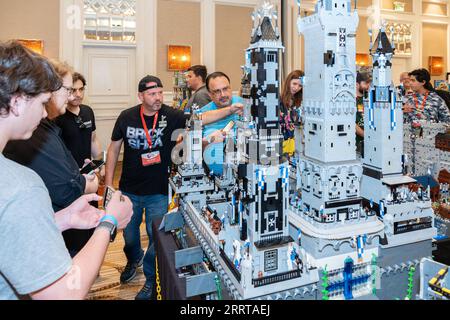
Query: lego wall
x,y
233,31
178,24
434,44
19,19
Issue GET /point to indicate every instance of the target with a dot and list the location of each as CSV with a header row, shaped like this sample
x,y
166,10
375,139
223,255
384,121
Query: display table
x,y
172,286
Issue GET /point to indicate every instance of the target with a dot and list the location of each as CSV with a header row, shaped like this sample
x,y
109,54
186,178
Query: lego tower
x,y
387,192
264,180
258,251
339,238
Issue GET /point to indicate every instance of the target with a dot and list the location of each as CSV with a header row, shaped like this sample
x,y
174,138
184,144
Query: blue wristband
x,y
110,219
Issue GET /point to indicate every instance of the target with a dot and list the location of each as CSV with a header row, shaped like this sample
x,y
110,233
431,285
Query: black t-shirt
x,y
137,179
47,155
77,132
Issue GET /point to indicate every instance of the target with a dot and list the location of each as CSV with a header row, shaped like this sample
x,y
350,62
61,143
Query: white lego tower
x,y
407,216
338,237
385,187
329,172
193,152
329,89
383,132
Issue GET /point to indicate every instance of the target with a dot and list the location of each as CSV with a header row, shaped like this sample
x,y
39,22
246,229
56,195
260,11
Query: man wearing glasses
x,y
78,133
78,125
219,88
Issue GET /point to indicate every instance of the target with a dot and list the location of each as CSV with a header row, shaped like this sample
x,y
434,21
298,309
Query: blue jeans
x,y
155,207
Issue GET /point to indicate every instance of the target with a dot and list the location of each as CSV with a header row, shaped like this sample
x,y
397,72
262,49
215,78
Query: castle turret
x,y
387,192
383,141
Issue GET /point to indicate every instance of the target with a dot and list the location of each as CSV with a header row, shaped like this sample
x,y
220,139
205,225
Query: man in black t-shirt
x,y
78,133
146,132
78,125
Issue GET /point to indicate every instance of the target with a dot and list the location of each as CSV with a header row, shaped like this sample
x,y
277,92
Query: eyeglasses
x,y
69,90
219,92
80,123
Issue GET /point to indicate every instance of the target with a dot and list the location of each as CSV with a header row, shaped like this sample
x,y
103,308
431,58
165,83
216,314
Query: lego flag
x,y
381,209
360,242
393,118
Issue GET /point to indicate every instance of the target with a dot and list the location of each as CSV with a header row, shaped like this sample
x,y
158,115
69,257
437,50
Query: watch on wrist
x,y
111,228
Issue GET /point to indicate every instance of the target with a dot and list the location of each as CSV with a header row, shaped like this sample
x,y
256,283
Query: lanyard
x,y
147,134
416,101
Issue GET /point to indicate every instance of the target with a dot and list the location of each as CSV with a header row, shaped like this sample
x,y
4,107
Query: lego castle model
x,y
329,227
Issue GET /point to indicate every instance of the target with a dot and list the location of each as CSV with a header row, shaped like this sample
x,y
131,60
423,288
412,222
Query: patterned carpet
x,y
107,286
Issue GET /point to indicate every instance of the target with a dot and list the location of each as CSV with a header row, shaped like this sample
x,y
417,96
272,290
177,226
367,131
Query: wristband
x,y
110,219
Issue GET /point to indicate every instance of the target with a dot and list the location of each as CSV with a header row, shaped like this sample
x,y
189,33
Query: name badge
x,y
150,159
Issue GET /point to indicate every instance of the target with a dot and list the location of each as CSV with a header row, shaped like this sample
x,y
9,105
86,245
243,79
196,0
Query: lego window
x,y
341,128
270,260
353,214
254,57
316,213
271,57
314,126
330,218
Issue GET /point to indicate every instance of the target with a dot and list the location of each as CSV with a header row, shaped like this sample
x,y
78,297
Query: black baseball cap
x,y
147,79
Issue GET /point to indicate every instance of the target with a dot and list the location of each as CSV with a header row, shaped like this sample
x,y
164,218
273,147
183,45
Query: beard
x,y
225,102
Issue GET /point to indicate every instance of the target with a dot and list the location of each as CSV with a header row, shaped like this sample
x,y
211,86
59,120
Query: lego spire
x,y
382,44
265,29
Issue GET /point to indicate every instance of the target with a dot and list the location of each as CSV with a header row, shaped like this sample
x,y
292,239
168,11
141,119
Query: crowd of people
x,y
49,210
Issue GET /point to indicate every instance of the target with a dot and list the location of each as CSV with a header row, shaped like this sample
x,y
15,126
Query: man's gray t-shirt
x,y
32,250
200,98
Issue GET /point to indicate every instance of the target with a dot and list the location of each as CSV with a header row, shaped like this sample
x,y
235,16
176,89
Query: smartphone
x,y
228,128
107,196
92,166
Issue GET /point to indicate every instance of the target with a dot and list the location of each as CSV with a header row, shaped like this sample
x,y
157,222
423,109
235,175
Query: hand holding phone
x,y
109,191
92,166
